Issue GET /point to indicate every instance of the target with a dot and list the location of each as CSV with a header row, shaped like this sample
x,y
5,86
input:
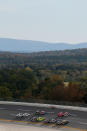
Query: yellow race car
x,y
40,119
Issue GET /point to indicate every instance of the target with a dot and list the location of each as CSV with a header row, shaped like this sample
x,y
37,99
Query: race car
x,y
34,119
62,122
66,114
59,122
26,114
53,121
22,115
50,121
47,121
43,112
61,114
19,115
39,119
37,112
40,112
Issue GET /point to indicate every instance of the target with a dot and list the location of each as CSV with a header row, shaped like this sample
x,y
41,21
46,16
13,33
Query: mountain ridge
x,y
16,45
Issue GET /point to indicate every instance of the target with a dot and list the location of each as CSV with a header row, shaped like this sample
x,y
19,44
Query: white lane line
x,y
23,110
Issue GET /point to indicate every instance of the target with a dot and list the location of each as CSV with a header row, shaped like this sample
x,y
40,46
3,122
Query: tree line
x,y
25,84
51,75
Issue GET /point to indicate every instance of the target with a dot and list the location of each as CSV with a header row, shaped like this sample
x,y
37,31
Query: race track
x,y
77,120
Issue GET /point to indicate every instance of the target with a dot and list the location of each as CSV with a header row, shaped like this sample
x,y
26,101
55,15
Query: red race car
x,y
43,112
61,114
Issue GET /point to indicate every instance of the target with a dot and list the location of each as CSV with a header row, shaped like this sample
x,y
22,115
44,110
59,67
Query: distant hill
x,y
14,45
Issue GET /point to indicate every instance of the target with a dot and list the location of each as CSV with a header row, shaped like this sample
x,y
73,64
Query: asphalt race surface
x,y
78,119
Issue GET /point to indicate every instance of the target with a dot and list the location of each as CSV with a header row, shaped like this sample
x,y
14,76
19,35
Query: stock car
x,y
26,114
37,112
40,112
50,121
39,119
34,119
53,121
22,115
62,122
57,122
19,115
66,114
43,112
61,114
47,121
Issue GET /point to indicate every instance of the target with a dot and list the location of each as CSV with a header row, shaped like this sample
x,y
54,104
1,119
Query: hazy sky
x,y
44,20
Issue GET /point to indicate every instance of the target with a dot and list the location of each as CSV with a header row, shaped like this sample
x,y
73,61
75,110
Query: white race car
x,y
22,115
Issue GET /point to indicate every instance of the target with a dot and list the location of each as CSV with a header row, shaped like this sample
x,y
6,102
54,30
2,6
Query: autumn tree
x,y
73,92
47,86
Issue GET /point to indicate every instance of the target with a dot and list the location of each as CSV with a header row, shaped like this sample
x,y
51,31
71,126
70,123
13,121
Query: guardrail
x,y
76,104
45,105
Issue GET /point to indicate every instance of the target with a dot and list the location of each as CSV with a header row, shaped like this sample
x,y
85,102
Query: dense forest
x,y
51,75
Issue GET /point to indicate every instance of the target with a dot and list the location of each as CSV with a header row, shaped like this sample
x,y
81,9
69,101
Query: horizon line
x,y
49,42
